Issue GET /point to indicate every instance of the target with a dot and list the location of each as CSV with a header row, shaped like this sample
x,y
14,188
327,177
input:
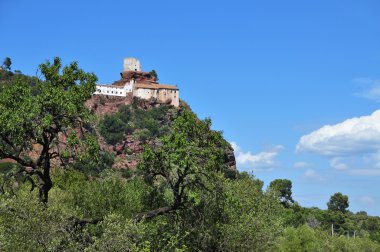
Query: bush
x,y
143,135
130,118
112,129
27,225
90,167
254,217
119,234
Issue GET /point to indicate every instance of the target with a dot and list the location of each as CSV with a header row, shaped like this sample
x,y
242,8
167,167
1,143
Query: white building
x,y
163,93
132,64
114,90
143,88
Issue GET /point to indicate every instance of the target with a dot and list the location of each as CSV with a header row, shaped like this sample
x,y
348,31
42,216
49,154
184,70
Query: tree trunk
x,y
44,188
45,183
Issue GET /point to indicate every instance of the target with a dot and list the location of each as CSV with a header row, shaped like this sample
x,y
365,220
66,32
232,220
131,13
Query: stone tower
x,y
132,64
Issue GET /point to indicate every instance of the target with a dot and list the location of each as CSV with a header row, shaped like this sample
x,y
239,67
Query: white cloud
x,y
235,147
367,200
352,136
365,172
337,164
313,175
371,88
264,160
372,159
366,81
301,164
353,145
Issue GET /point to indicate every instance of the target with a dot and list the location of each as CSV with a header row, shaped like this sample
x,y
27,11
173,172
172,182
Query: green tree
x,y
27,225
184,163
253,217
154,74
119,234
338,202
112,129
300,239
283,189
7,63
32,119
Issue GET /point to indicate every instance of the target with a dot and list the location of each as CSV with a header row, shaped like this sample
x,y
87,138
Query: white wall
x,y
110,90
161,94
132,64
114,90
144,93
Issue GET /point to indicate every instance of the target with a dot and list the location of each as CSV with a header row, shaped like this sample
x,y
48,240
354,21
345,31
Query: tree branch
x,y
153,213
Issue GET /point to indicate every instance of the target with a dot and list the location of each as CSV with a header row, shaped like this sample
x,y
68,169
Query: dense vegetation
x,y
132,120
178,199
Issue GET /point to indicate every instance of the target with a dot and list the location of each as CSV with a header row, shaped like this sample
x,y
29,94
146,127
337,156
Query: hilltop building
x,y
140,84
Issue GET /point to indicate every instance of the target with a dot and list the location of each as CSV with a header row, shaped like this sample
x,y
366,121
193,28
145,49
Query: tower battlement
x,y
132,64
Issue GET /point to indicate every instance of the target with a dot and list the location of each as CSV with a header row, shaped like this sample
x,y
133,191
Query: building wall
x,y
113,90
175,98
162,95
144,93
132,64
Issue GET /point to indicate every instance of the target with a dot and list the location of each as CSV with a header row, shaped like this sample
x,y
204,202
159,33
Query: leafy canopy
x,y
338,202
283,189
33,118
7,63
184,163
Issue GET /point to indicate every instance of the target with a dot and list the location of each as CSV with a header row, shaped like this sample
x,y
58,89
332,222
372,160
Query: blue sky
x,y
272,75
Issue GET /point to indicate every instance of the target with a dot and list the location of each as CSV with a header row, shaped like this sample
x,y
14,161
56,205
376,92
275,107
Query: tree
x,y
338,202
283,188
253,217
35,121
154,74
184,163
112,129
7,63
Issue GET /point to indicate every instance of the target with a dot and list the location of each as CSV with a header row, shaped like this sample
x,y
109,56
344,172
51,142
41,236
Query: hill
x,y
98,173
126,125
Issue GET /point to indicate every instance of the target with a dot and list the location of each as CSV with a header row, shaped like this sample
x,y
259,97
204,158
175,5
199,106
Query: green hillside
x,y
142,178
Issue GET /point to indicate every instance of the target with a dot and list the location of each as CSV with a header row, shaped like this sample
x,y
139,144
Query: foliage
x,y
305,238
7,78
338,202
132,120
182,197
111,195
7,63
35,116
184,162
112,128
26,225
282,188
254,217
154,74
104,161
119,234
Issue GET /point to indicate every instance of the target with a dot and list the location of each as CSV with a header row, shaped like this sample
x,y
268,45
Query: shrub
x,y
112,129
143,135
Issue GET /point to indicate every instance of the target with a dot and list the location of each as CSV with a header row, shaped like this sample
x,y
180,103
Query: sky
x,y
293,85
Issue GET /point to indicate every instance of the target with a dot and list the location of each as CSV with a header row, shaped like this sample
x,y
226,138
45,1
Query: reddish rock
x,y
105,105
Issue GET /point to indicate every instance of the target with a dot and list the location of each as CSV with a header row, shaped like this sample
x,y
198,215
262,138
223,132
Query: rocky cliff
x,y
130,144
